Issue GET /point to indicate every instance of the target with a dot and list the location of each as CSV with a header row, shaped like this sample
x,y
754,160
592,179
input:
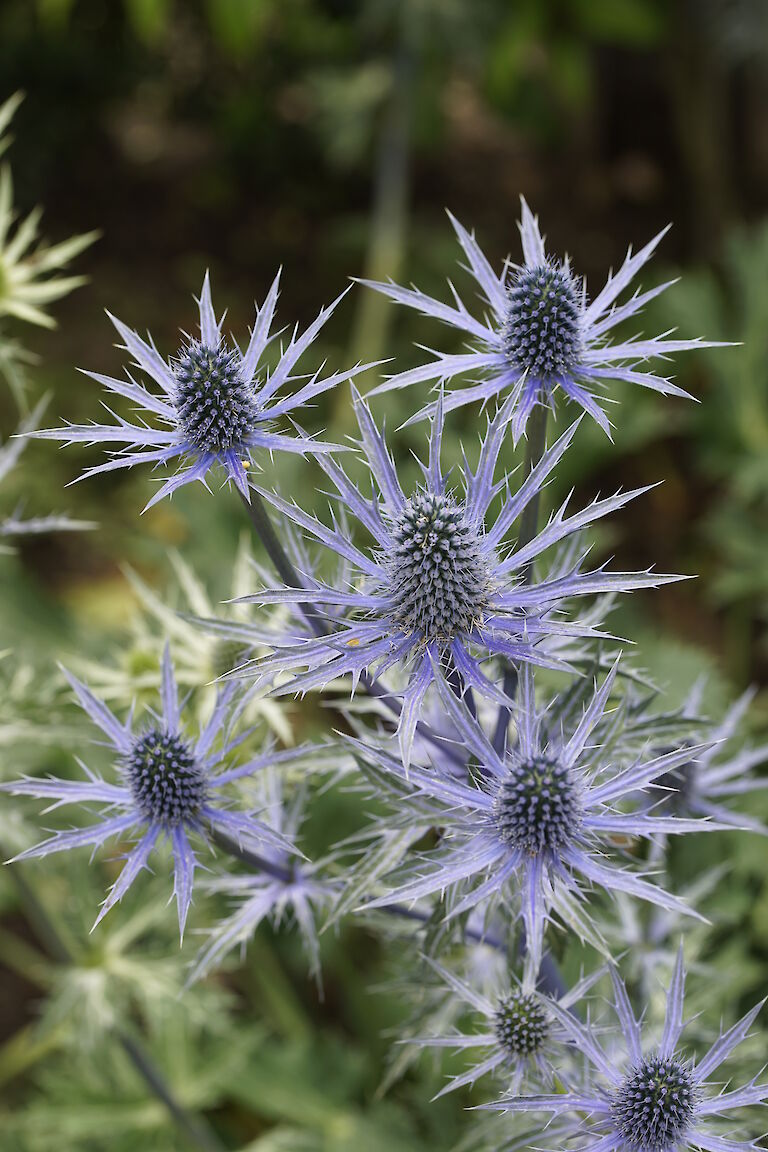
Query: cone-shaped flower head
x,y
517,1038
649,1099
212,403
170,787
535,824
542,330
441,584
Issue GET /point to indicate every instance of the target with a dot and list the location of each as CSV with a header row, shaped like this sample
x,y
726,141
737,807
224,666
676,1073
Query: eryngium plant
x,y
524,778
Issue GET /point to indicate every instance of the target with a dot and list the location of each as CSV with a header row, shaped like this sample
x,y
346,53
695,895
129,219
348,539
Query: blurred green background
x,y
328,137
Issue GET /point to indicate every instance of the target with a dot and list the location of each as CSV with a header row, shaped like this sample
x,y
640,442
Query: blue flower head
x,y
541,330
170,787
649,1099
440,585
534,824
518,1038
212,403
282,888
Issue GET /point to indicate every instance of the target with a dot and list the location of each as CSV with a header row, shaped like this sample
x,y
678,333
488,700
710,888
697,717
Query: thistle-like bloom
x,y
701,785
542,329
170,786
284,888
518,1038
650,1099
214,404
535,822
439,585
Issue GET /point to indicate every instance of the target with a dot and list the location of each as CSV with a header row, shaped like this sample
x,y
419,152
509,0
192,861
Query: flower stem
x,y
550,981
254,861
529,526
285,569
194,1128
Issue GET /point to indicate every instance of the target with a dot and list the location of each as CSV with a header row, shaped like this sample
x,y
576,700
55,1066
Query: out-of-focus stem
x,y
254,861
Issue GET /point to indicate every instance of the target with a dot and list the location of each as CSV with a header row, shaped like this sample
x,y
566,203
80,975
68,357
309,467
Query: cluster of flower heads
x,y
448,599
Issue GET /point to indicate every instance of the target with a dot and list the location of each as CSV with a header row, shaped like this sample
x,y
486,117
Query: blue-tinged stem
x,y
550,979
193,1127
529,526
285,569
254,861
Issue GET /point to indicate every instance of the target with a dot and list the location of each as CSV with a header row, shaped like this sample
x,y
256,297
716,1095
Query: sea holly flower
x,y
650,1099
518,1038
542,330
170,788
439,585
283,889
211,403
533,825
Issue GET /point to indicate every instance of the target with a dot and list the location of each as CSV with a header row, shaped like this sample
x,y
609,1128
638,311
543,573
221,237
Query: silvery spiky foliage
x,y
30,276
438,583
656,1098
30,270
285,888
211,403
199,657
170,787
17,524
542,329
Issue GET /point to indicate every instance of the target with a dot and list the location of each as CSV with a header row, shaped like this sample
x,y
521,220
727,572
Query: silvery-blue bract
x,y
286,888
437,584
533,827
703,785
212,403
650,1098
518,1039
170,787
542,330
